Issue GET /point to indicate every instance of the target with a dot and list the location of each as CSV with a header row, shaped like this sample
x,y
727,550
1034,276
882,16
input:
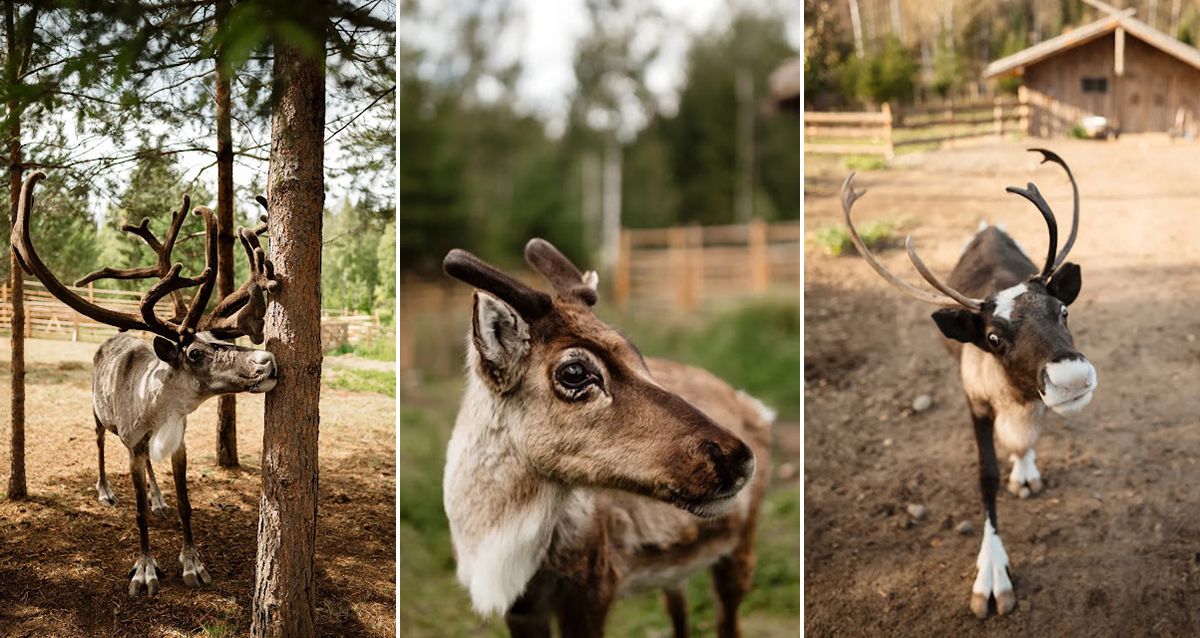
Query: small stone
x,y
888,442
918,512
1191,337
1025,605
922,403
965,527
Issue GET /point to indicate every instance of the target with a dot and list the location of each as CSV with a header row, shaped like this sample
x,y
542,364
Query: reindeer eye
x,y
194,355
994,339
574,376
1064,312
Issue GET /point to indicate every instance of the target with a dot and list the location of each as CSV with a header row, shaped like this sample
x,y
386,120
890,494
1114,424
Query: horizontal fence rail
x,y
46,316
881,133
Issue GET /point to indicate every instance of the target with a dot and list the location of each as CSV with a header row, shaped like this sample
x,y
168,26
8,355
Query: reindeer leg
x,y
992,580
676,604
104,492
158,505
732,576
528,617
194,573
145,571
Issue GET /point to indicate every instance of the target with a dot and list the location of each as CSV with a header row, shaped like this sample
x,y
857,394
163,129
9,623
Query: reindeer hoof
x,y
1005,602
144,576
161,510
979,605
105,494
194,574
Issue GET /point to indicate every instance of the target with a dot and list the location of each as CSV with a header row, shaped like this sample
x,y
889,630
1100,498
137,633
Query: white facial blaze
x,y
992,578
1006,299
1069,385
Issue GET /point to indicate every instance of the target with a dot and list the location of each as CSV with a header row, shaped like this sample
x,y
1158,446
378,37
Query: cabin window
x,y
1095,85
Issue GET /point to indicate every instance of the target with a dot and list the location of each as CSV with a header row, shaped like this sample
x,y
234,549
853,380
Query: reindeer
x,y
143,393
579,470
1005,321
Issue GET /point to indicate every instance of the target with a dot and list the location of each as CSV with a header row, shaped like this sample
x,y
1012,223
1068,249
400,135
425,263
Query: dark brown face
x,y
591,414
1026,328
220,367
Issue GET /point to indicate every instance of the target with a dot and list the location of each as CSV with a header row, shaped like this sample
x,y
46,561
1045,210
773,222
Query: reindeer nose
x,y
734,468
1070,372
264,361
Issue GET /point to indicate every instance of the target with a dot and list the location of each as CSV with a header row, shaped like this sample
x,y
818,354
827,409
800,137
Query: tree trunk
x,y
284,584
16,478
227,455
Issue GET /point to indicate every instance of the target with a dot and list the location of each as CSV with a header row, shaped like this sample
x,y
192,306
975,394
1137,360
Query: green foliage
x,y
350,259
382,348
1077,132
864,162
887,76
835,240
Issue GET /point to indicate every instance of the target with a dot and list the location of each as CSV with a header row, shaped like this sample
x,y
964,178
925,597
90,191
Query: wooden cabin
x,y
1139,79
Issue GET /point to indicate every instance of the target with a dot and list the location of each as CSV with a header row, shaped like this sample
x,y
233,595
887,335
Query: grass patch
x,y
357,380
864,163
835,240
382,348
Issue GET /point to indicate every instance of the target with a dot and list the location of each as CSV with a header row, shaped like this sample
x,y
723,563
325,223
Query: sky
x,y
544,33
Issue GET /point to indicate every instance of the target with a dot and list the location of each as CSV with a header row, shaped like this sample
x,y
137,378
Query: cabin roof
x,y
1093,30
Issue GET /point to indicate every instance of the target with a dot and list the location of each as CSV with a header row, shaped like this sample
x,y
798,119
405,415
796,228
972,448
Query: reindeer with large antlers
x,y
578,470
143,393
1006,323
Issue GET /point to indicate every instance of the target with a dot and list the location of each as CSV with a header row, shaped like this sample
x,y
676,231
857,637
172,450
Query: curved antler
x,y
554,266
531,304
951,297
29,260
1032,194
1051,156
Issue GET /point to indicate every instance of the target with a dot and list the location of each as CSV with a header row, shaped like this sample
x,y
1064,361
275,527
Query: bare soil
x,y
64,557
1112,546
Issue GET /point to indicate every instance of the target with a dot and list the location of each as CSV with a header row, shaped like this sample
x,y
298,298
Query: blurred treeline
x,y
116,102
478,171
864,52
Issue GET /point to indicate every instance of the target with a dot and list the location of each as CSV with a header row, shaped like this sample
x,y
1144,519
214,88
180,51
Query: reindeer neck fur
x,y
140,397
504,516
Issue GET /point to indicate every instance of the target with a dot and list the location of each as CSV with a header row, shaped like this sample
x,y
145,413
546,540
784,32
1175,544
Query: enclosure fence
x,y
47,317
676,270
882,132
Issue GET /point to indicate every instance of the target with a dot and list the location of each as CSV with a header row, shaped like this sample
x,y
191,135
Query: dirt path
x,y
64,557
1112,547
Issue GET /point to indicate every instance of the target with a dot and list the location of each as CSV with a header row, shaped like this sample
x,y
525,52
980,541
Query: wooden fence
x,y
881,133
685,267
46,316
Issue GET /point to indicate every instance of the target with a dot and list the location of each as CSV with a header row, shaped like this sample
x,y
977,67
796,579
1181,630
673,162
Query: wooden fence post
x,y
696,263
760,266
677,257
948,115
997,118
1023,123
889,143
622,275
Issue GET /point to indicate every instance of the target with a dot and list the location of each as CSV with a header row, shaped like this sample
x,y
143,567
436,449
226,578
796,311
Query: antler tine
x,y
207,278
1051,156
530,303
849,196
554,266
1032,194
261,228
165,286
968,302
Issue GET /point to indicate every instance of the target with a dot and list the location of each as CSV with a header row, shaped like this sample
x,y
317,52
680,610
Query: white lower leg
x,y
992,579
1025,479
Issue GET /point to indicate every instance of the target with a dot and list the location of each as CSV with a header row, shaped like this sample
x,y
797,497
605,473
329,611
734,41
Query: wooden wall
x,y
1144,100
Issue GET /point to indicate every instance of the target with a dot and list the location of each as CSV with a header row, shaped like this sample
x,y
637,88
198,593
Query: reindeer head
x,y
577,400
1023,326
215,366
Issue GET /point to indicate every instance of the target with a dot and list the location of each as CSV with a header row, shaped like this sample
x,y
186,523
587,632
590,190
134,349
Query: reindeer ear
x,y
501,337
960,324
1066,282
167,350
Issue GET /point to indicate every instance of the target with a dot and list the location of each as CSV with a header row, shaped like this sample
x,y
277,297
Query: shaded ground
x,y
1112,547
64,557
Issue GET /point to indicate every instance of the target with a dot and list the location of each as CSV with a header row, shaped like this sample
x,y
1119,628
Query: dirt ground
x,y
64,557
1112,546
